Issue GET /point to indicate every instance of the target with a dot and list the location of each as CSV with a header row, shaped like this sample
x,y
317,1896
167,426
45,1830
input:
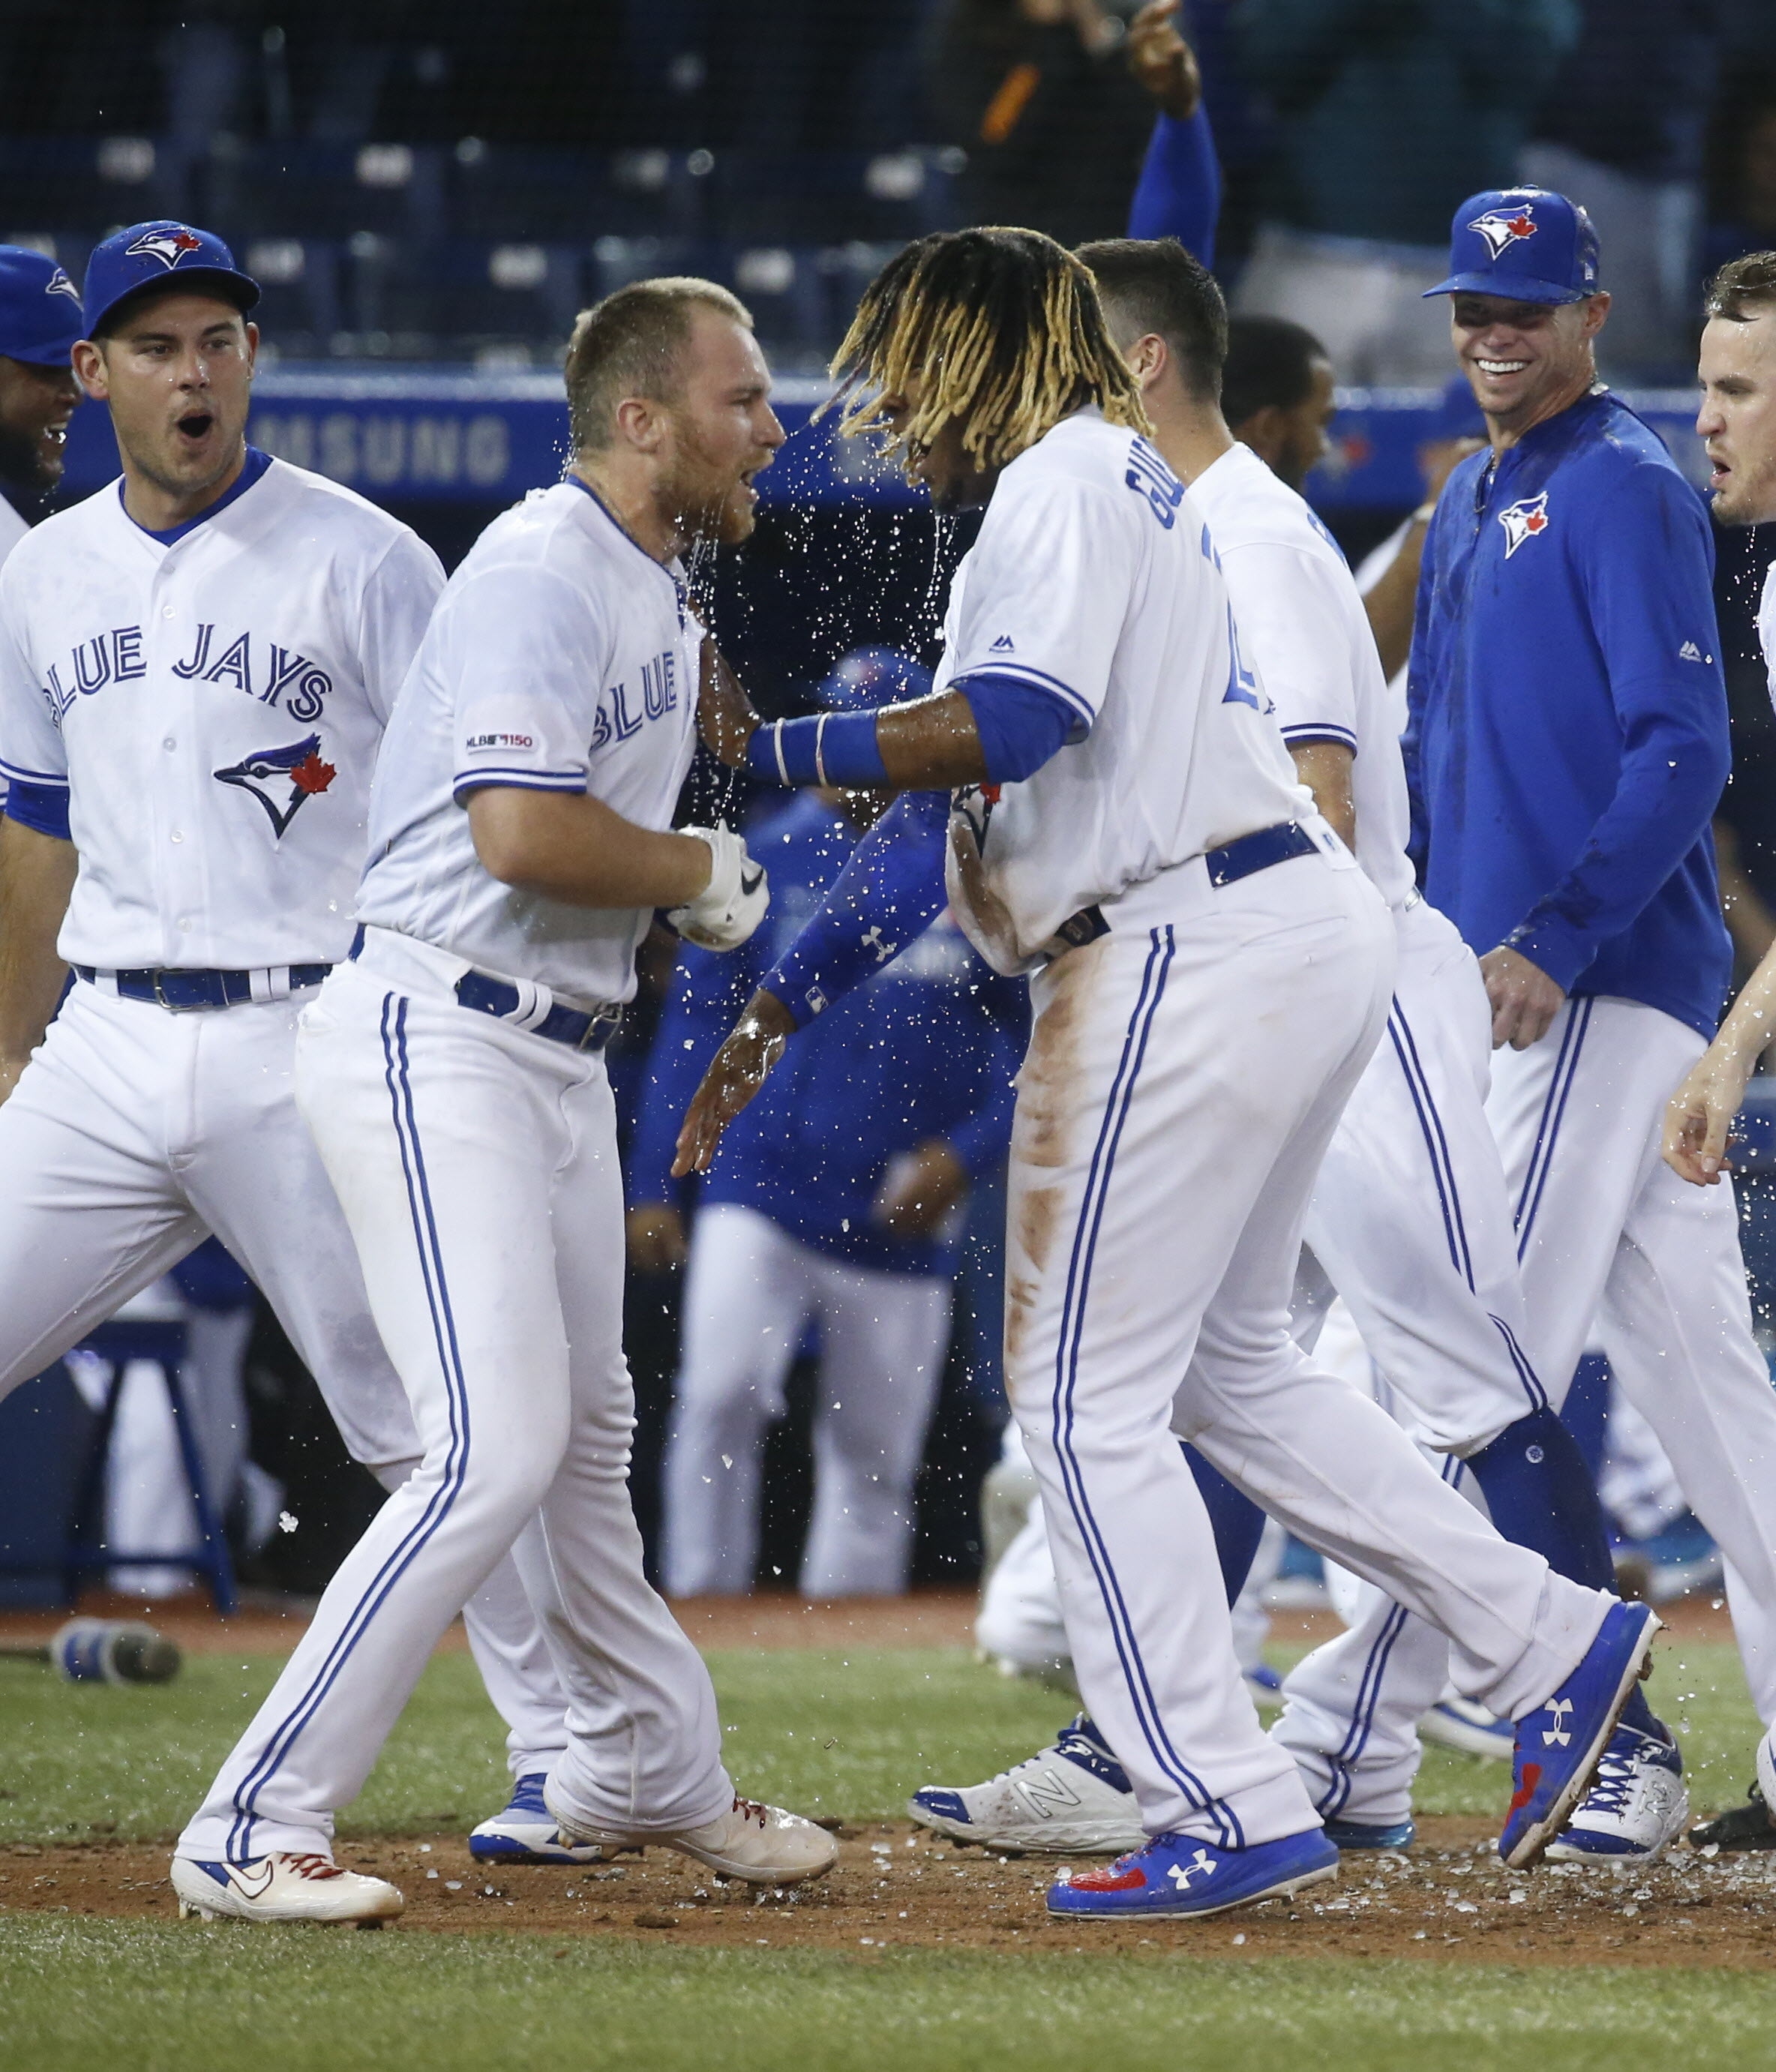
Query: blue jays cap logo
x,y
1522,521
1500,230
58,284
168,246
280,778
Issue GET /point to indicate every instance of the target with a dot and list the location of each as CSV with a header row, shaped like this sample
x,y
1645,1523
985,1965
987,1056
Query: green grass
x,y
845,1734
98,1996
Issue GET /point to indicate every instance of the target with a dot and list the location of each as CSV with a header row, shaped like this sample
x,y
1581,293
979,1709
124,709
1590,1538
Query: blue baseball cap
x,y
1527,244
153,255
39,309
869,678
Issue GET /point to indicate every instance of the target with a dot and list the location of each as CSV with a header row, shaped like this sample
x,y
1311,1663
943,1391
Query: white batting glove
x,y
725,913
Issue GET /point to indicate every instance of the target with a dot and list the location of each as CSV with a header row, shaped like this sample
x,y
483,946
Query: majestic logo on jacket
x,y
168,246
280,778
1500,230
1522,521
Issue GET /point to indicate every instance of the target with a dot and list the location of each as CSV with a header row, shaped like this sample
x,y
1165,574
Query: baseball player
x,y
1409,1218
452,1074
195,666
1566,747
838,1202
1737,424
1209,973
39,322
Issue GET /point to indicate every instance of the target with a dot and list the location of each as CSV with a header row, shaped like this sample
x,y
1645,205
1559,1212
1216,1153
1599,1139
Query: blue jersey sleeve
x,y
890,892
43,808
1647,572
703,1002
1178,194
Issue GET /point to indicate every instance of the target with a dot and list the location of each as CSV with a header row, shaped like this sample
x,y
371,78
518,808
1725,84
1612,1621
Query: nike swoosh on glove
x,y
725,913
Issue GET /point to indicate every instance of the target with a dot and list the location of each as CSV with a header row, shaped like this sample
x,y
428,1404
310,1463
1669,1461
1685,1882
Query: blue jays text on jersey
x,y
283,678
1567,741
623,712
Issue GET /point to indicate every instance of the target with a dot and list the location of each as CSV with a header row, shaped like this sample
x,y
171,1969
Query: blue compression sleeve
x,y
825,748
1021,727
42,808
889,891
1178,194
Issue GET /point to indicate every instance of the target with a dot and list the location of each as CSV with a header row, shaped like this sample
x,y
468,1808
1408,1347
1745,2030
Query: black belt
x,y
1226,866
182,991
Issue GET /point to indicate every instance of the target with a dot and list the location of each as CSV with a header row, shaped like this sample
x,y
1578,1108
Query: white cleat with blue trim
x,y
524,1831
1070,1799
1636,1807
282,1888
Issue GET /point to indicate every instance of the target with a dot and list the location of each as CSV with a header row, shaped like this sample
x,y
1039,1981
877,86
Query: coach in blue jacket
x,y
835,1205
1567,746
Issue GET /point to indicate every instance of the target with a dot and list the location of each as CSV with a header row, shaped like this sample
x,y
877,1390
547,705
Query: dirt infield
x,y
1449,1899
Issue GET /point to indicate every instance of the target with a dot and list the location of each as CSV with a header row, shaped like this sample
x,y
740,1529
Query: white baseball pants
x,y
477,1167
750,1292
133,1134
1185,1075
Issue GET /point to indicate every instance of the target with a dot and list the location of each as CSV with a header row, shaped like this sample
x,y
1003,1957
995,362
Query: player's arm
x,y
1701,1112
1178,194
1325,767
1649,582
37,872
891,891
572,847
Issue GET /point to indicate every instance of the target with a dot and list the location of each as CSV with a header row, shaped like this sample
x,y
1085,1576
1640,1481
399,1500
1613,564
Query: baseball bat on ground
x,y
90,1650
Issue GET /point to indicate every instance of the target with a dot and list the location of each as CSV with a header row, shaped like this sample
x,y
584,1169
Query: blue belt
x,y
182,991
570,1025
1259,851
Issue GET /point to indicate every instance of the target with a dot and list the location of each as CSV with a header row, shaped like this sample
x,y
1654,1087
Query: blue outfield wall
x,y
411,435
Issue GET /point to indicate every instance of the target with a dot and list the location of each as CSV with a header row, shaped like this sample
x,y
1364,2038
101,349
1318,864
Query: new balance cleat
x,y
525,1832
1458,1723
1636,1807
1559,1744
1348,1834
1176,1875
758,1844
1070,1799
282,1888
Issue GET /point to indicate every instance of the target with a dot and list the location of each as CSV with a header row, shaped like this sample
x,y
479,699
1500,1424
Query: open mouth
x,y
195,425
1498,367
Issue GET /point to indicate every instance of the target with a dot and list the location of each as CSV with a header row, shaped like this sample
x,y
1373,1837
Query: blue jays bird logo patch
x,y
1522,521
168,246
1498,229
280,778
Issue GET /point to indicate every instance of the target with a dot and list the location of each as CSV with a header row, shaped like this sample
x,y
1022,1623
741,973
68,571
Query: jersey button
x,y
167,612
169,742
177,836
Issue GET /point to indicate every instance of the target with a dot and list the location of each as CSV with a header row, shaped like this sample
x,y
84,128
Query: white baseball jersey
x,y
1766,627
13,528
1094,579
211,699
1303,627
561,658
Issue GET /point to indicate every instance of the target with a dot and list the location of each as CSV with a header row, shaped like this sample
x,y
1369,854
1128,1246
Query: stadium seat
x,y
459,299
327,191
86,185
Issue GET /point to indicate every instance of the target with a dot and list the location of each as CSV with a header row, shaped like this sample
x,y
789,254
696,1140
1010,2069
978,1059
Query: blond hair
x,y
632,343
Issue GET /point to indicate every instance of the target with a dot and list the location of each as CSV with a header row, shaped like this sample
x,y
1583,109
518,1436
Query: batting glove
x,y
725,913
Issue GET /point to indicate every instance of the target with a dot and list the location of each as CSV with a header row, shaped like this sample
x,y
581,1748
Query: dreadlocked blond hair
x,y
1002,331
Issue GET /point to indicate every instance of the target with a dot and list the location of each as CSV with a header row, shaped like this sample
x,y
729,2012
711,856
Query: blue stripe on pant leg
x,y
395,1565
1153,987
1566,1070
1526,1373
1437,1144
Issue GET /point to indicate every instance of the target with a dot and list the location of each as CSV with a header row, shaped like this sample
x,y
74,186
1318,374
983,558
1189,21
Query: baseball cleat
x,y
1458,1723
1559,1744
282,1888
525,1832
1175,1875
1741,1827
1636,1807
1263,1685
1346,1835
758,1844
1070,1799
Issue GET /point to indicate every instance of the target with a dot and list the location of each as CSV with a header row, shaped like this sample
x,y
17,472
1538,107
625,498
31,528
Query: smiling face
x,y
1736,422
177,375
719,429
36,404
1525,361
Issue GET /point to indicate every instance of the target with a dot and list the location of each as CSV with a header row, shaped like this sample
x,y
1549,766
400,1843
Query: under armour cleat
x,y
1636,1807
758,1844
282,1888
1345,1835
1175,1875
1071,1798
1559,1744
1458,1723
525,1832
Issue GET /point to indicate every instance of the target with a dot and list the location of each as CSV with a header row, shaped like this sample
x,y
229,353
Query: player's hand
x,y
656,1234
919,1189
1699,1115
736,1073
725,913
725,718
1525,1000
1163,62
